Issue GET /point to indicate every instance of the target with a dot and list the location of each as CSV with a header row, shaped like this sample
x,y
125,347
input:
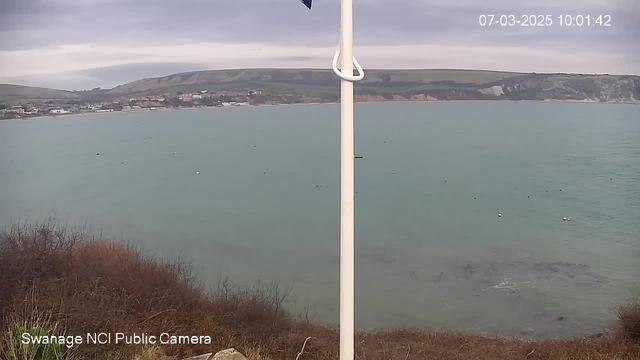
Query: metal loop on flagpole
x,y
337,71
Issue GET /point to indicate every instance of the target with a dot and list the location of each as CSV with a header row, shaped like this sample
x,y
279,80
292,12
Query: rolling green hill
x,y
311,82
10,93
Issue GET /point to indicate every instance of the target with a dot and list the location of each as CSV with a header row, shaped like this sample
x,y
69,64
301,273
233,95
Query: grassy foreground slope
x,y
62,281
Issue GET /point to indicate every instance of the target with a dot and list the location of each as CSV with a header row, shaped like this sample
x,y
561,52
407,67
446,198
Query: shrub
x,y
54,280
629,320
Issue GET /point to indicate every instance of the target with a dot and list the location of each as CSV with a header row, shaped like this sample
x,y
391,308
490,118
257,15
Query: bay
x,y
252,194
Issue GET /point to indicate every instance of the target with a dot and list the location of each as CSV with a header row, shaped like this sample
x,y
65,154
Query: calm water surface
x,y
431,250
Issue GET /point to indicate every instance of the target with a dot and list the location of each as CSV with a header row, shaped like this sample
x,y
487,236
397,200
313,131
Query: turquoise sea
x,y
251,194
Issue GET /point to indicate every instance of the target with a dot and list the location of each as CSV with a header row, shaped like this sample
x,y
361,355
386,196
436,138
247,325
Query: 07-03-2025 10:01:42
x,y
545,20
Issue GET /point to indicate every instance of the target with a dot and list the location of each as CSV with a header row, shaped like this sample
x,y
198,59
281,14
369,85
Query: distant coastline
x,y
224,88
53,116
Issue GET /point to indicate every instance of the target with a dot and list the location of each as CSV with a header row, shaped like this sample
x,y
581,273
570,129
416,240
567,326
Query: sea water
x,y
252,194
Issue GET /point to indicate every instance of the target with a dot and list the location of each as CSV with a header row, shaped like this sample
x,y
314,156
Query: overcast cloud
x,y
86,43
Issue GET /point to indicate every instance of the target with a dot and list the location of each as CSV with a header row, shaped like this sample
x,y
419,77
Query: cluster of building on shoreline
x,y
202,98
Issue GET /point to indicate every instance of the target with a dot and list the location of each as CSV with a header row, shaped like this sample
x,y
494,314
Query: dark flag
x,y
307,3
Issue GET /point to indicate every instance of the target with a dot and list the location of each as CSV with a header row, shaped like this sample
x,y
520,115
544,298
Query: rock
x,y
228,354
494,90
422,97
201,357
368,98
527,332
468,268
441,276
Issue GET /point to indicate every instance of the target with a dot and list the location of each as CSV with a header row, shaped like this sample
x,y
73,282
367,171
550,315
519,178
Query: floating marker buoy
x,y
197,172
98,154
499,215
174,153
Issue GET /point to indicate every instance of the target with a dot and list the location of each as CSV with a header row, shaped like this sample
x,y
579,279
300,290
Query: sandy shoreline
x,y
45,117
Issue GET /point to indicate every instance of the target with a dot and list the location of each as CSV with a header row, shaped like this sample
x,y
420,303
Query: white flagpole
x,y
347,177
347,188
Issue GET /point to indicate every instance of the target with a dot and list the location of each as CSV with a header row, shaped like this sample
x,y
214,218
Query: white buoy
x,y
197,172
565,219
499,215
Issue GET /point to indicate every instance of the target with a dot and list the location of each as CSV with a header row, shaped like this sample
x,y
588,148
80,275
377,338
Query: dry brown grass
x,y
90,285
154,352
629,320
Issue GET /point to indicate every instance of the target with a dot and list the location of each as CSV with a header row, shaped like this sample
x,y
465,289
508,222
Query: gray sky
x,y
78,44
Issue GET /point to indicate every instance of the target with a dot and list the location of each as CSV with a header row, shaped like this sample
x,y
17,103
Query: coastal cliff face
x,y
531,87
313,85
619,89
